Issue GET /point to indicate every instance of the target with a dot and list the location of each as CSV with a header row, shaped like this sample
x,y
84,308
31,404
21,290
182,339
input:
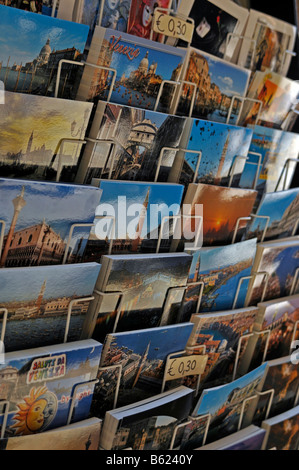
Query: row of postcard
x,y
219,26
124,69
127,143
45,390
47,223
127,293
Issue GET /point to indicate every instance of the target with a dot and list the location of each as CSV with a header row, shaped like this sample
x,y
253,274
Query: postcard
x,y
274,94
282,431
140,137
217,25
37,218
221,333
37,300
224,405
141,17
282,376
276,217
280,317
144,286
276,148
278,262
220,145
39,384
44,7
217,82
31,132
142,355
148,424
30,61
250,438
221,270
271,38
139,66
77,436
132,233
222,207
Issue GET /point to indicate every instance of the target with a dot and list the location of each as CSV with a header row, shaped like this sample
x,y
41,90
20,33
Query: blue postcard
x,y
220,145
30,58
221,269
139,67
37,300
37,218
133,233
39,385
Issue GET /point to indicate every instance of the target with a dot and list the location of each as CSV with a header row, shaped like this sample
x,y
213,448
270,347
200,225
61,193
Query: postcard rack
x,y
246,158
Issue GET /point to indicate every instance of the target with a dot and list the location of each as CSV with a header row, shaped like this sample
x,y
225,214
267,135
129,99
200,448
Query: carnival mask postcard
x,y
39,384
148,424
277,261
216,83
37,218
142,281
270,39
217,25
141,17
221,147
31,133
277,149
274,95
143,355
151,200
136,69
30,58
224,405
276,217
38,299
222,209
139,139
282,431
77,436
221,269
220,333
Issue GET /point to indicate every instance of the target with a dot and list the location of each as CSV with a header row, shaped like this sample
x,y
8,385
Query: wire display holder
x,y
295,331
199,300
175,432
238,222
231,36
294,282
4,404
286,53
243,100
119,376
174,83
285,169
73,397
179,217
176,150
69,313
85,64
118,307
4,313
90,225
249,278
2,233
256,396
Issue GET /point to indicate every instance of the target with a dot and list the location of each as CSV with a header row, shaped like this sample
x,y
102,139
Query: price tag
x,y
172,26
179,367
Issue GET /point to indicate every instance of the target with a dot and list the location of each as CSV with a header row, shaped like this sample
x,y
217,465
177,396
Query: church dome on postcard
x,y
46,50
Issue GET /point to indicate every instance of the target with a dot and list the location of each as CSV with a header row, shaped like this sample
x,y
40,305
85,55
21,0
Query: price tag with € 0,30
x,y
172,26
179,367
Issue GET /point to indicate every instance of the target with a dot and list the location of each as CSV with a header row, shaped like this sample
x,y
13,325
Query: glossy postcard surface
x,y
37,300
282,431
31,130
39,383
138,233
224,404
141,136
276,147
220,334
144,285
220,144
217,81
140,67
143,356
222,207
281,213
30,58
38,217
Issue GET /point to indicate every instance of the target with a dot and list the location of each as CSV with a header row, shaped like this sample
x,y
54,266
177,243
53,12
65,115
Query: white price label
x,y
180,367
172,26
